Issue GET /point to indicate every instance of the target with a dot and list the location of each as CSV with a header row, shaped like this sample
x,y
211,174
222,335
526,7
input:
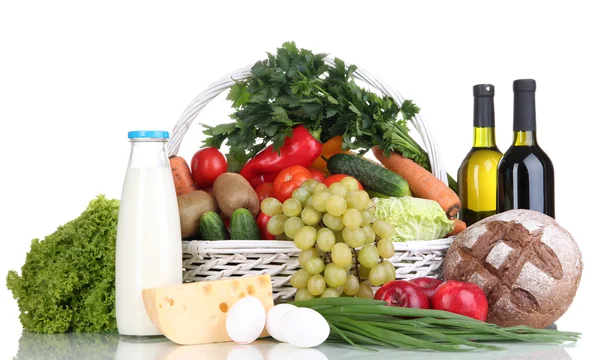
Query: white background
x,y
76,76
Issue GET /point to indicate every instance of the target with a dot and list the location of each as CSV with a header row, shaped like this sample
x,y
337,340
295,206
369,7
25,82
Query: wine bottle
x,y
525,172
477,174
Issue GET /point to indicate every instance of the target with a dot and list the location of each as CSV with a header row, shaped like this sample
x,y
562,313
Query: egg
x,y
304,327
245,320
274,324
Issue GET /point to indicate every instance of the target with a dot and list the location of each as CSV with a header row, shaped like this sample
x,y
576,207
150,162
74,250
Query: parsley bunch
x,y
296,87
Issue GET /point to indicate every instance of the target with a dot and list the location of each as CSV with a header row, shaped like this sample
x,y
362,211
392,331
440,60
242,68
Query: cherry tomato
x,y
264,191
337,178
263,179
317,175
262,221
207,165
289,180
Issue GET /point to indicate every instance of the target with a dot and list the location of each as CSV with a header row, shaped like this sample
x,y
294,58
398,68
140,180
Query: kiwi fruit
x,y
191,207
233,192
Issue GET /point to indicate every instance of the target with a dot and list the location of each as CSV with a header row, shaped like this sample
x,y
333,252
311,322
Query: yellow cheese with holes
x,y
195,313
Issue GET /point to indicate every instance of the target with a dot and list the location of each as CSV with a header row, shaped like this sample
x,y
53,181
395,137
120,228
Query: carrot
x,y
422,183
182,176
459,226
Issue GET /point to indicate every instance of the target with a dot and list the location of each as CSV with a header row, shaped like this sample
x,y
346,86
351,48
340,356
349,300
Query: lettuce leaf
x,y
414,218
68,280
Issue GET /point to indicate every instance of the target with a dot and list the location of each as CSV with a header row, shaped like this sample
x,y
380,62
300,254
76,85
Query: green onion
x,y
373,323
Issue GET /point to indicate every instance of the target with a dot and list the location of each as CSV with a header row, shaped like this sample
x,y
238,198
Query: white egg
x,y
304,327
245,320
274,324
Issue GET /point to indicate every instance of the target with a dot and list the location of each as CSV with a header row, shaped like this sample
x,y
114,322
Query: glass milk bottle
x,y
148,232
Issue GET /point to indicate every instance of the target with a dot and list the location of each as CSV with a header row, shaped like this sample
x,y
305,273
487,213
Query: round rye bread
x,y
528,266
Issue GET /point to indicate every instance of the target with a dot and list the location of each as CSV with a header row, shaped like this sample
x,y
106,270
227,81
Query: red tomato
x,y
262,221
337,178
429,285
402,293
264,191
207,165
289,180
461,298
263,179
317,175
226,220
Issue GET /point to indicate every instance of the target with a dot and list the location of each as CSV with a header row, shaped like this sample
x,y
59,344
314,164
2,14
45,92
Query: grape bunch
x,y
344,246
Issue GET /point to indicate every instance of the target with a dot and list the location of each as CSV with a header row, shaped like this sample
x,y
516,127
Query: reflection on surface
x,y
111,346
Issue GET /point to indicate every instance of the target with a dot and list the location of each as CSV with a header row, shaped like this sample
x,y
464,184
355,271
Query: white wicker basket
x,y
212,260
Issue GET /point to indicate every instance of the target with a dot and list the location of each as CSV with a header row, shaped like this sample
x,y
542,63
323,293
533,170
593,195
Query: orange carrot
x,y
459,226
422,183
182,176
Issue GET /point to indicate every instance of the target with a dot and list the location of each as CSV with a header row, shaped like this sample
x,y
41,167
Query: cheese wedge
x,y
195,313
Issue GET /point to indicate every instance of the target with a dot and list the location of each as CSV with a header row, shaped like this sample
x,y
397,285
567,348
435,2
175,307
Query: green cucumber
x,y
212,227
372,176
243,226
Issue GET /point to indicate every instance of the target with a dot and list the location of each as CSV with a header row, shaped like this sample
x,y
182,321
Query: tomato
x,y
226,220
207,165
289,180
262,221
317,175
337,178
263,179
264,191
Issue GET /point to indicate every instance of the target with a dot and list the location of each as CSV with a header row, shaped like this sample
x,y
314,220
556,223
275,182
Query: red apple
x,y
461,298
429,285
402,293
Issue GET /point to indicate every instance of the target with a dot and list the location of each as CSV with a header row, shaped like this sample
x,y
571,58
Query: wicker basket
x,y
213,260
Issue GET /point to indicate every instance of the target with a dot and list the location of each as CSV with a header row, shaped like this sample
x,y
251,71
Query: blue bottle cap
x,y
148,134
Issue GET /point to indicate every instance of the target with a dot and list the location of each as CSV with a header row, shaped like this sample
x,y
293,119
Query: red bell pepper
x,y
300,149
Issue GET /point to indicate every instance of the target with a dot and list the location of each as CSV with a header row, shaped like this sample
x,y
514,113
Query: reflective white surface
x,y
73,346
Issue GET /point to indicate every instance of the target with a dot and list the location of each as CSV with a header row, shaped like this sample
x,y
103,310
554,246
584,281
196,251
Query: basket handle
x,y
216,88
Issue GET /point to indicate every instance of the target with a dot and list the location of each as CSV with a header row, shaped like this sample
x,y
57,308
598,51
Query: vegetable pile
x,y
365,322
68,280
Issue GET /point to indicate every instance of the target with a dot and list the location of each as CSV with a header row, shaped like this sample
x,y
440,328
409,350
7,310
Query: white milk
x,y
148,245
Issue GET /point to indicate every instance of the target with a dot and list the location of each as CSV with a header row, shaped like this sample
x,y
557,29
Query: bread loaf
x,y
528,266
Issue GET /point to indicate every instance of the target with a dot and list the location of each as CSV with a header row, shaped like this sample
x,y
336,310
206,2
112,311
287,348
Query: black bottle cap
x,y
483,90
523,85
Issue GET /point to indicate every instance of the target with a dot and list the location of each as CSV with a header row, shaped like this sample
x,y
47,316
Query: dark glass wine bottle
x,y
525,172
477,174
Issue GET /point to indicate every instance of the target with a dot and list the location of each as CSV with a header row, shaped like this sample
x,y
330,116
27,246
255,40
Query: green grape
x,y
292,225
320,199
363,272
391,270
310,185
325,239
351,285
315,266
301,194
303,294
364,291
368,256
350,183
300,279
383,229
305,255
371,207
353,237
339,290
369,234
305,238
310,216
329,292
358,200
276,223
316,285
352,218
338,189
341,254
335,275
338,236
367,218
348,267
291,207
309,202
317,227
378,275
333,222
336,205
386,248
320,187
271,206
